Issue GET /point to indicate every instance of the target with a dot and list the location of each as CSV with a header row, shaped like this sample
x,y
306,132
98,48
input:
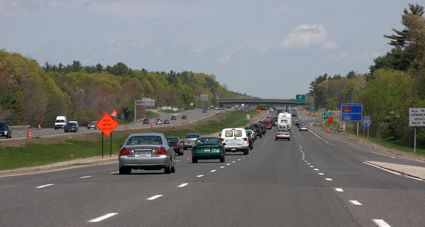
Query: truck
x,y
284,120
60,122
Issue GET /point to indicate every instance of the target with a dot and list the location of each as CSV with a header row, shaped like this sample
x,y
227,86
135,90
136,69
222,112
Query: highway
x,y
316,179
192,115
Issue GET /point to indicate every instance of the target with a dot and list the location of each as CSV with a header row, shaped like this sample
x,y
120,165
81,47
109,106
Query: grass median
x,y
50,150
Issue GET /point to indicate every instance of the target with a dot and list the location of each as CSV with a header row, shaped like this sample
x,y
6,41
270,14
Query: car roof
x,y
147,134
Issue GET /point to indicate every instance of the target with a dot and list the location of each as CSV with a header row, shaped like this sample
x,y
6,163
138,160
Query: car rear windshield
x,y
3,127
192,136
144,140
172,139
233,133
208,141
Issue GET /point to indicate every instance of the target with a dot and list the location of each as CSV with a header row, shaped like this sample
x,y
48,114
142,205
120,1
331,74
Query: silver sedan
x,y
148,151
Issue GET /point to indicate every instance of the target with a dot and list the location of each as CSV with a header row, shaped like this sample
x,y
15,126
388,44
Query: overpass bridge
x,y
255,101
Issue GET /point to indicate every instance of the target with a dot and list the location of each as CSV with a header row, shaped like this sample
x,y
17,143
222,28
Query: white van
x,y
284,119
235,139
60,122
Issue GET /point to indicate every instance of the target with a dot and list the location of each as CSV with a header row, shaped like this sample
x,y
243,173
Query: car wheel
x,y
246,152
124,170
167,170
222,159
194,160
289,139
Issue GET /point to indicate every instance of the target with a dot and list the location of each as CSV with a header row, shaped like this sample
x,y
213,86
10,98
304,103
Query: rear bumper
x,y
144,162
235,149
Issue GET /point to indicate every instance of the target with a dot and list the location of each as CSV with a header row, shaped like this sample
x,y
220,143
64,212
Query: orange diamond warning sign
x,y
107,124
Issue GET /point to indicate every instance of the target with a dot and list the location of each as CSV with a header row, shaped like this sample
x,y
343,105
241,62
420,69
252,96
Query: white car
x,y
235,139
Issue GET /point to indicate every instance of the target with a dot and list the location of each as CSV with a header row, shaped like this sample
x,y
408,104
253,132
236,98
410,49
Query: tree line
x,y
31,94
395,83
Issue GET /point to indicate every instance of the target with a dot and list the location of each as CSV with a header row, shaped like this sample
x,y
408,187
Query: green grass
x,y
34,154
150,114
394,145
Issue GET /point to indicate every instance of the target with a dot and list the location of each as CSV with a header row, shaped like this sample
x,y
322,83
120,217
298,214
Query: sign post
x,y
107,125
352,112
416,119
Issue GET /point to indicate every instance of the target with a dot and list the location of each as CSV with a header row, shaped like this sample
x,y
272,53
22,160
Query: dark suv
x,y
5,130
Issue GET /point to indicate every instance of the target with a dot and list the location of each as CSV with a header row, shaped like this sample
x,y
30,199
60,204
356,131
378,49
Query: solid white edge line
x,y
84,177
101,218
43,186
328,179
381,223
378,167
182,185
339,189
320,137
199,175
212,171
154,197
355,202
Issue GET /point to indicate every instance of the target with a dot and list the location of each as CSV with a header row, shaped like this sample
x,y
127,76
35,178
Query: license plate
x,y
207,150
144,153
233,149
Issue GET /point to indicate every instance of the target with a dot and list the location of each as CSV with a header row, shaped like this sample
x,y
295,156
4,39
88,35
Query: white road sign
x,y
417,117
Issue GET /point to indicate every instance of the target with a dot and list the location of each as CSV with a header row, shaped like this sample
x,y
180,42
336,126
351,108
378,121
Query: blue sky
x,y
269,49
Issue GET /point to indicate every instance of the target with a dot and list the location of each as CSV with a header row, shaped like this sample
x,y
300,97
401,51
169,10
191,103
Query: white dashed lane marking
x,y
316,169
101,218
182,185
43,186
198,176
212,171
321,174
84,177
339,189
381,223
154,197
228,164
239,159
221,167
328,179
355,202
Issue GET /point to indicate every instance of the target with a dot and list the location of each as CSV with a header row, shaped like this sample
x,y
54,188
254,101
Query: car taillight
x,y
221,139
160,151
245,139
126,152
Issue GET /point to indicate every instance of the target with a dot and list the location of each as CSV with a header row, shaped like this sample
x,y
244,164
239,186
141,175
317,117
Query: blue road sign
x,y
351,112
367,121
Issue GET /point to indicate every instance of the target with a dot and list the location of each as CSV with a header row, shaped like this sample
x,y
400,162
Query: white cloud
x,y
306,35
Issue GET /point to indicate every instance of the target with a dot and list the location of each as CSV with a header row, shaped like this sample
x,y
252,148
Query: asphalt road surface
x,y
312,180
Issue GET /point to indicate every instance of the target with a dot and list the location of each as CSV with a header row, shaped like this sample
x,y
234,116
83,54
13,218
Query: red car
x,y
267,123
174,143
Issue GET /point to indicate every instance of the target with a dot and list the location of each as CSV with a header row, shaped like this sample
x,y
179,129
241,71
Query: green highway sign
x,y
328,114
300,99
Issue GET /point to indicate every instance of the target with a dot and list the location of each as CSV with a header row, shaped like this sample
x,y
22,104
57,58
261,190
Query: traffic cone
x,y
29,133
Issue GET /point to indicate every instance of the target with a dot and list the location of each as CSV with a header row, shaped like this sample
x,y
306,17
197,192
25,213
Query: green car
x,y
208,148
